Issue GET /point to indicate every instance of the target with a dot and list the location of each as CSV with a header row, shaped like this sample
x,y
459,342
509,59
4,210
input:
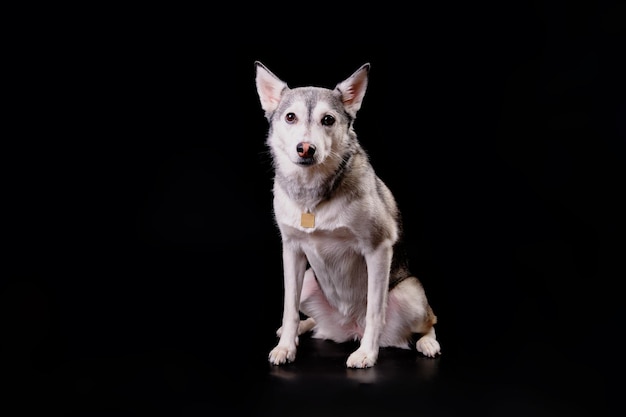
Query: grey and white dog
x,y
340,227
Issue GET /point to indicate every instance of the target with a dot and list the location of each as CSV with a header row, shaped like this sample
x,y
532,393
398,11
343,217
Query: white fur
x,y
337,272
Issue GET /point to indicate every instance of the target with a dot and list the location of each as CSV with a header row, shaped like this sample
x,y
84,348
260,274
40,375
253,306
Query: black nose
x,y
305,149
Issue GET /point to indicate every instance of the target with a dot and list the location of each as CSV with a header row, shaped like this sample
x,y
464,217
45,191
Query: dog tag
x,y
307,220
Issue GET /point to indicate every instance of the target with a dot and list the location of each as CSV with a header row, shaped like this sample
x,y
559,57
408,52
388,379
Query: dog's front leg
x,y
378,267
294,266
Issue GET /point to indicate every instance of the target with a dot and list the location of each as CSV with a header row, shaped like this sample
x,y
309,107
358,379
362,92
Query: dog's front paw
x,y
362,359
280,355
428,346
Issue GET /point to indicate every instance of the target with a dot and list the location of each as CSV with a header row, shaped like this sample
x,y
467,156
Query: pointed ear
x,y
353,89
269,87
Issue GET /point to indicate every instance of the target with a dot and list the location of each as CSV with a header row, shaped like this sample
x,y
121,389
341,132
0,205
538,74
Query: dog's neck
x,y
315,185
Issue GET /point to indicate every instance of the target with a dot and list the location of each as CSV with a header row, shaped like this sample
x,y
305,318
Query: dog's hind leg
x,y
427,344
408,312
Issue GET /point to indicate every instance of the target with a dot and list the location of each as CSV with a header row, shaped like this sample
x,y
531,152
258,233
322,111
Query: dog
x,y
346,277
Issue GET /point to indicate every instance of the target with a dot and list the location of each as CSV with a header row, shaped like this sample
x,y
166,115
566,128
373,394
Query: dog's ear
x,y
353,89
269,87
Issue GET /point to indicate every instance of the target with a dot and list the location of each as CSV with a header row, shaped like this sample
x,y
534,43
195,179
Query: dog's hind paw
x,y
428,346
304,327
362,359
280,355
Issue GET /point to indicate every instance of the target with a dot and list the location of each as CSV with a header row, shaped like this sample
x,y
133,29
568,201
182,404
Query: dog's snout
x,y
305,149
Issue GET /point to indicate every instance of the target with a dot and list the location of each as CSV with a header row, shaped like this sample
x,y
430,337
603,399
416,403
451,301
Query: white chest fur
x,y
335,248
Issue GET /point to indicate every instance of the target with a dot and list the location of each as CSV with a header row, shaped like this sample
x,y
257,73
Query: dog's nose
x,y
305,149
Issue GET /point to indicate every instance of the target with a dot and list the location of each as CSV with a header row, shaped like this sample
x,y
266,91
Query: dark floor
x,y
160,338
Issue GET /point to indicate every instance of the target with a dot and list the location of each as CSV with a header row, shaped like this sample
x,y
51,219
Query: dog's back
x,y
340,226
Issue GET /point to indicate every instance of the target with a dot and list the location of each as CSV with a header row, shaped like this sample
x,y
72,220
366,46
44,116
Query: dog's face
x,y
309,126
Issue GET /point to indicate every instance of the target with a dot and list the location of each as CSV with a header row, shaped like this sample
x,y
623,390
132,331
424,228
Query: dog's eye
x,y
328,120
290,118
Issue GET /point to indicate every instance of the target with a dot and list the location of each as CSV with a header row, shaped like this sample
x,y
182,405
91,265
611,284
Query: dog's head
x,y
310,126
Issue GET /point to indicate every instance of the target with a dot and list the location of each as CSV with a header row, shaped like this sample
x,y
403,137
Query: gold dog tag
x,y
307,220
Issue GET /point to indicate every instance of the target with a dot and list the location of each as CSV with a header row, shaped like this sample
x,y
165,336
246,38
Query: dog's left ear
x,y
352,89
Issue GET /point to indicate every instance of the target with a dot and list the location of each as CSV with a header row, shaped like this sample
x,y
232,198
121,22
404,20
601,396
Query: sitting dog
x,y
344,268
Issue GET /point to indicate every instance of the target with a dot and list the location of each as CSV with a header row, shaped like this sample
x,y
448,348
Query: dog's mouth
x,y
305,161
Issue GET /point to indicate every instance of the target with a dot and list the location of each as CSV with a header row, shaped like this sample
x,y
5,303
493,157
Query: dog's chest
x,y
334,245
339,265
334,248
330,216
328,244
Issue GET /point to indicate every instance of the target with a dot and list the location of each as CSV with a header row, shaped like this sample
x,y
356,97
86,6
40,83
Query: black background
x,y
144,262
